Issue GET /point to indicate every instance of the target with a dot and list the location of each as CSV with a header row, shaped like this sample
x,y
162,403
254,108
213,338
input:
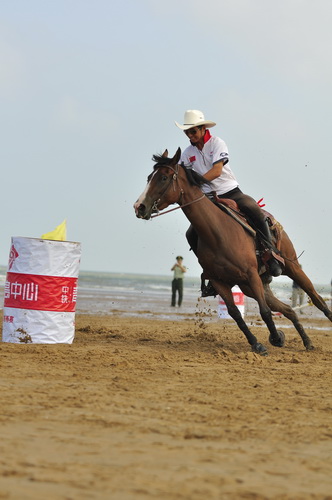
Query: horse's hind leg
x,y
295,272
227,295
276,305
304,282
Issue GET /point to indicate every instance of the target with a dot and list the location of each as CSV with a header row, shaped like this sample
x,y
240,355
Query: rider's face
x,y
195,134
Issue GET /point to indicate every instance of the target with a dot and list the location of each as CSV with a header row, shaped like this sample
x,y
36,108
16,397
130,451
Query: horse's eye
x,y
164,178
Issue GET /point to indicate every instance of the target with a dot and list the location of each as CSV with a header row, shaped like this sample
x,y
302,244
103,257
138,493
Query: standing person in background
x,y
297,296
177,284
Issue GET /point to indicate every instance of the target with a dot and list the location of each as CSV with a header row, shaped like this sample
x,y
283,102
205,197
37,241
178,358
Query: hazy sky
x,y
89,91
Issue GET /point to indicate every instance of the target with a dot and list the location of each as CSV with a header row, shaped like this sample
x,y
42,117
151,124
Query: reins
x,y
174,179
177,208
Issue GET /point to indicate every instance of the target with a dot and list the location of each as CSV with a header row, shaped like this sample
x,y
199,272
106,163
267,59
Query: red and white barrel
x,y
238,297
41,291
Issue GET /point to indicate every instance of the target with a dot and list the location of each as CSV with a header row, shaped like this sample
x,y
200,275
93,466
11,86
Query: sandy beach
x,y
141,408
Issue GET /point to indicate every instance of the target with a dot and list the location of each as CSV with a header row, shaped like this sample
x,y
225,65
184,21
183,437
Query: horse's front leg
x,y
226,293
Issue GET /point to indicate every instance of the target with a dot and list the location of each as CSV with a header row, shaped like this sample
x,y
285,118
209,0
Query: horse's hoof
x,y
277,342
309,347
259,349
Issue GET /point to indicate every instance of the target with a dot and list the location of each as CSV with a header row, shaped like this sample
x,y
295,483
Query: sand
x,y
139,409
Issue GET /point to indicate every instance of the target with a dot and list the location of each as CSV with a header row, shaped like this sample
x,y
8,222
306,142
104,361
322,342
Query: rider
x,y
208,155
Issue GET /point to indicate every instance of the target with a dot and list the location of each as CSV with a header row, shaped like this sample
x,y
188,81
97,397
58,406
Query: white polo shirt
x,y
213,151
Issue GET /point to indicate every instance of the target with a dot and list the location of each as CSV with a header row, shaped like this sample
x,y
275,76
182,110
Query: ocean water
x,y
150,296
136,294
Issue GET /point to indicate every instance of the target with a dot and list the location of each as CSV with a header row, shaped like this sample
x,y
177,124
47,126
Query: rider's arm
x,y
215,171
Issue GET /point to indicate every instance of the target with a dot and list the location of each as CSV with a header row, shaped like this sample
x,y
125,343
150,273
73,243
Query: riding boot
x,y
269,257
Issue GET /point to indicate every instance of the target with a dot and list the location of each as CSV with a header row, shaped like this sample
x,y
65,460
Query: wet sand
x,y
141,408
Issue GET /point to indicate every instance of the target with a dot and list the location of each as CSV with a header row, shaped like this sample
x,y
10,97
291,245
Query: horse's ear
x,y
177,156
165,154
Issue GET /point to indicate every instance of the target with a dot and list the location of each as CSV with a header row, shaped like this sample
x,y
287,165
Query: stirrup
x,y
275,263
208,290
274,267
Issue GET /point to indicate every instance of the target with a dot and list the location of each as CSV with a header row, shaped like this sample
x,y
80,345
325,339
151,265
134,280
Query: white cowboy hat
x,y
194,118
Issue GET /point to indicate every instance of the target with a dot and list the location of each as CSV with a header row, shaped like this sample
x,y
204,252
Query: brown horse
x,y
225,249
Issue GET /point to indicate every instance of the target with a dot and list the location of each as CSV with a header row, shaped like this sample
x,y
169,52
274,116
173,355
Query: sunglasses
x,y
192,131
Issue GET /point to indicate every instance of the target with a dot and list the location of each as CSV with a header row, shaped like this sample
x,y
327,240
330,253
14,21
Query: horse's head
x,y
162,188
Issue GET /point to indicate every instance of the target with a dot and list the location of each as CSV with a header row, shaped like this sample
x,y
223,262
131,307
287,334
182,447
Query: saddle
x,y
231,207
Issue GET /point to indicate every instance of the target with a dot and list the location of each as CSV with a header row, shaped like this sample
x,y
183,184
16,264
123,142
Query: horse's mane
x,y
194,178
161,160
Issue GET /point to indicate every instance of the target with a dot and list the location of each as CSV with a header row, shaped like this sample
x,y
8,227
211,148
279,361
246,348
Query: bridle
x,y
173,180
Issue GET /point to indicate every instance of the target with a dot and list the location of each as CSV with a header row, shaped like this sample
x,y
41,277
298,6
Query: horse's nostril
x,y
140,210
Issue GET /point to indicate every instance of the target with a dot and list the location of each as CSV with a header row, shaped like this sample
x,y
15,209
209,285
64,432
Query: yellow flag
x,y
59,233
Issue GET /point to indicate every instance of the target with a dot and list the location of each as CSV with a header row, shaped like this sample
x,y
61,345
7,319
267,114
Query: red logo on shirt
x,y
192,158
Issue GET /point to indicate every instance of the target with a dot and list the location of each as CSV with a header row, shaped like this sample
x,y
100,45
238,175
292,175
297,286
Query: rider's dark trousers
x,y
248,206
